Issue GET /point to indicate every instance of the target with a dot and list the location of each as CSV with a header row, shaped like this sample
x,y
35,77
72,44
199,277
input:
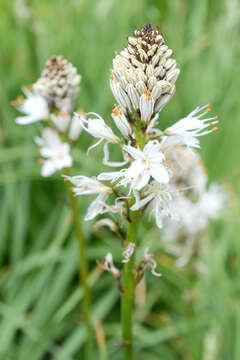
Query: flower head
x,y
59,83
56,154
34,107
144,73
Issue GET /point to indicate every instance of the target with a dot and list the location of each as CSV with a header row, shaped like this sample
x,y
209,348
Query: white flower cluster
x,y
149,178
160,170
195,207
51,100
152,171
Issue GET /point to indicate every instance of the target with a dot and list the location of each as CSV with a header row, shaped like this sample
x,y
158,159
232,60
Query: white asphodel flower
x,y
212,201
76,126
187,130
121,122
35,108
56,154
61,121
98,129
84,185
146,163
195,216
160,199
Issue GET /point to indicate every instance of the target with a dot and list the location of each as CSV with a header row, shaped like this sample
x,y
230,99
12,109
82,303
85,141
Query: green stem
x,y
128,290
83,273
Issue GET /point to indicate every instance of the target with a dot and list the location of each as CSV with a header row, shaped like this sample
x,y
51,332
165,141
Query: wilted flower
x,y
148,261
109,266
128,252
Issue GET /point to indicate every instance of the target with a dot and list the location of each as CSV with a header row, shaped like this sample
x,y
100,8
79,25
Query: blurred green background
x,y
187,315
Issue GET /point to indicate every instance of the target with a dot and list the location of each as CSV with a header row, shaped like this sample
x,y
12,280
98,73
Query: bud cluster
x,y
59,84
144,74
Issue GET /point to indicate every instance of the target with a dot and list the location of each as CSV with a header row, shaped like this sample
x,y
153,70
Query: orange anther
x,y
40,161
215,117
117,110
208,110
63,113
111,77
215,128
154,142
80,112
147,94
17,101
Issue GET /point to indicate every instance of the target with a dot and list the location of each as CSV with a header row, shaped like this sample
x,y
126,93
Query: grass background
x,y
186,316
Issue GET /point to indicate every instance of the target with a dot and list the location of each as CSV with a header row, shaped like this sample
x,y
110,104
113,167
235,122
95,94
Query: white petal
x,y
159,173
25,120
142,180
135,153
48,168
75,128
96,207
114,175
158,215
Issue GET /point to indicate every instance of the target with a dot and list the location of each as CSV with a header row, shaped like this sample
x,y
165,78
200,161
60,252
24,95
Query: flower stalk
x,y
128,289
83,273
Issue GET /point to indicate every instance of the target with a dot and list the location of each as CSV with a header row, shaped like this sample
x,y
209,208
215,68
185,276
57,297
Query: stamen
x,y
147,94
17,101
117,110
